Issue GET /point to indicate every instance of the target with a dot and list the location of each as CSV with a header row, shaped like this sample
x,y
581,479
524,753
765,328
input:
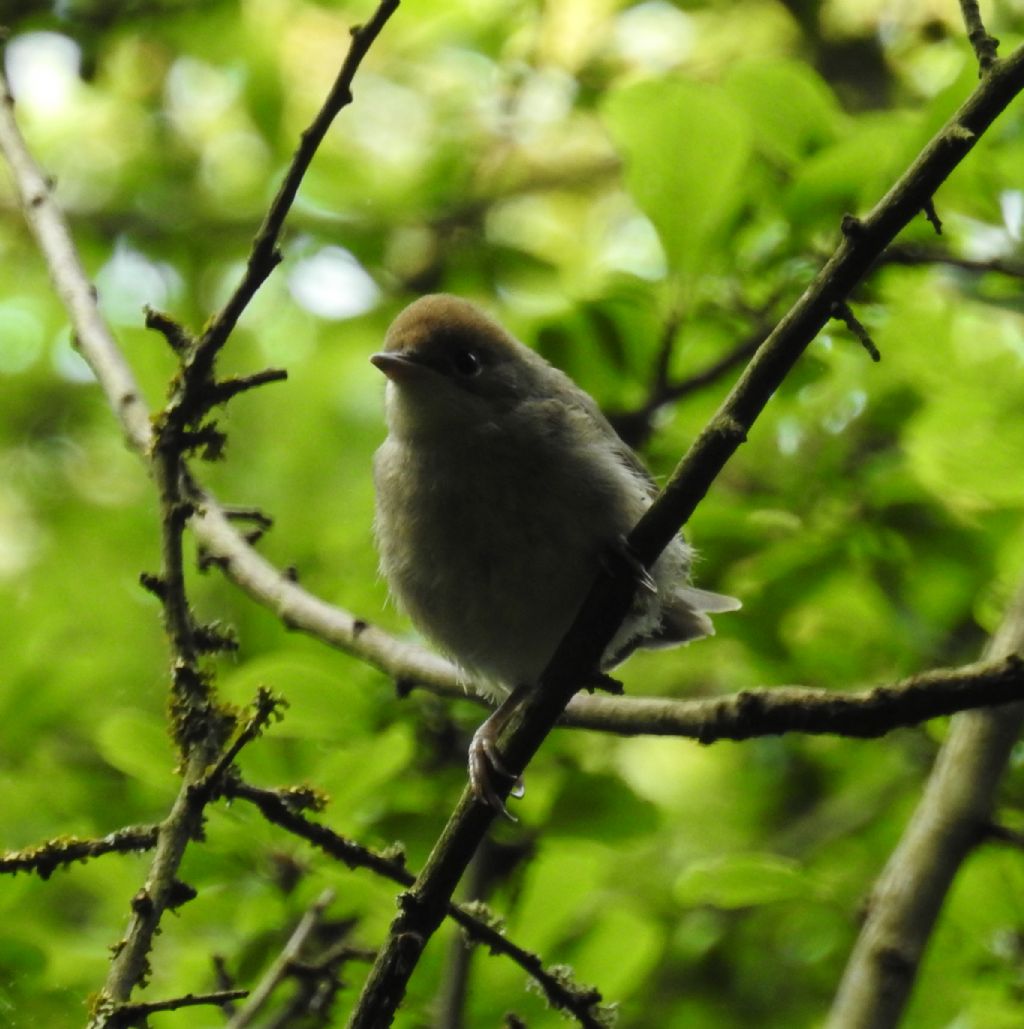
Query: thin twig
x,y
279,969
843,311
579,1001
985,46
133,1014
46,857
932,215
914,255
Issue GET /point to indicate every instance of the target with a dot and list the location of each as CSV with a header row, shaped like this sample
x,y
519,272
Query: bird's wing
x,y
582,403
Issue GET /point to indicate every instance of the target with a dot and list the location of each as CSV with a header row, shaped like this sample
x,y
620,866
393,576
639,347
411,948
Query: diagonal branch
x,y
609,600
281,966
200,726
952,817
579,1001
264,256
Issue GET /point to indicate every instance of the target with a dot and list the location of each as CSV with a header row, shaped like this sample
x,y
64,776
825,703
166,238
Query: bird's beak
x,y
398,367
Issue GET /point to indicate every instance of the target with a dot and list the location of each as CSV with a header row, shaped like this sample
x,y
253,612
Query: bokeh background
x,y
593,172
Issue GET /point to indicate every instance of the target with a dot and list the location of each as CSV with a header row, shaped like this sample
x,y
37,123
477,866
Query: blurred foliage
x,y
589,170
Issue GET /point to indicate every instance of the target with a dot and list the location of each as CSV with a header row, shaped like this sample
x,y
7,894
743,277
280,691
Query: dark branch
x,y
844,313
64,850
133,1014
609,600
581,1002
783,709
933,216
264,255
985,46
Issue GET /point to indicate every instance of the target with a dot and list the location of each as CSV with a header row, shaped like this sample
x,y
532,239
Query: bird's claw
x,y
485,761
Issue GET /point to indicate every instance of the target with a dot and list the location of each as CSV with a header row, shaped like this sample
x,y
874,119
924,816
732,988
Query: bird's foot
x,y
486,762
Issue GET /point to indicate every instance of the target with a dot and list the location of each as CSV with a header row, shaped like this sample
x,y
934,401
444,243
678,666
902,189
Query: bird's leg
x,y
485,759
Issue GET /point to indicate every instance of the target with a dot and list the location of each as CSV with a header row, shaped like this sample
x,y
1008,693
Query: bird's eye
x,y
466,363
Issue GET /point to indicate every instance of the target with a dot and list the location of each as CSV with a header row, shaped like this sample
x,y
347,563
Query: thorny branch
x,y
133,1014
200,725
205,780
65,850
284,808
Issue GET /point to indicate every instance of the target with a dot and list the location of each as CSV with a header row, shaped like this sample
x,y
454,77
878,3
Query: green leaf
x,y
137,745
740,881
686,146
791,107
601,957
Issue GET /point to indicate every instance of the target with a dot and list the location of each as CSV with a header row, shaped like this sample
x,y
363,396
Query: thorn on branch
x,y
154,584
180,894
852,227
205,560
932,215
221,392
247,514
604,682
843,313
211,638
207,436
180,341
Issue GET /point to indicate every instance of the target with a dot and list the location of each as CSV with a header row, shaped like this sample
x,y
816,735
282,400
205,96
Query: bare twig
x,y
579,1001
609,600
46,857
635,426
279,969
844,313
985,46
933,216
133,1014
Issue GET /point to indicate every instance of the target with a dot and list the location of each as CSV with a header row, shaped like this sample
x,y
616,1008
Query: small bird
x,y
500,491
